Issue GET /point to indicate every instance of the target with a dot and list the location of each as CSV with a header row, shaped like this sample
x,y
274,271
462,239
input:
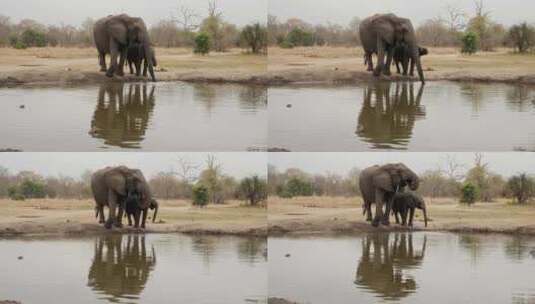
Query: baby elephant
x,y
402,56
136,55
404,202
132,209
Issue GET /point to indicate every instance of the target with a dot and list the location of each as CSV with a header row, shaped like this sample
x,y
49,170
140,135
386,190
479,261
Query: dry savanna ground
x,y
78,217
342,64
325,215
80,65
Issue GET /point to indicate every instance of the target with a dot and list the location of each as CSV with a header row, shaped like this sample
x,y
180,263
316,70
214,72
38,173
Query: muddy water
x,y
116,116
135,269
403,268
442,116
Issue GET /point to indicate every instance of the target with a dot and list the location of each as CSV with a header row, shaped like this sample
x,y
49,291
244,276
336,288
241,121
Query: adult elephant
x,y
114,35
380,34
378,184
112,186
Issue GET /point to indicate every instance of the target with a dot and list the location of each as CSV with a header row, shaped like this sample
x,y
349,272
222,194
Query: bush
x,y
521,187
200,195
32,38
202,44
299,37
469,41
253,189
20,45
32,189
254,37
522,36
286,45
295,186
14,193
468,194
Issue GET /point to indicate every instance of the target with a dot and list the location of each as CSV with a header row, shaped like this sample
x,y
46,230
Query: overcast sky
x,y
342,11
506,164
74,12
237,164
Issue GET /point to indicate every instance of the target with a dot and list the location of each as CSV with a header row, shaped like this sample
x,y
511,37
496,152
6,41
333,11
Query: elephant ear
x,y
383,26
396,178
117,27
383,180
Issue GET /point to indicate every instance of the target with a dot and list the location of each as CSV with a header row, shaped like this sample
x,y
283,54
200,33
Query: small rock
x,y
20,257
336,68
68,221
22,106
289,105
68,69
287,255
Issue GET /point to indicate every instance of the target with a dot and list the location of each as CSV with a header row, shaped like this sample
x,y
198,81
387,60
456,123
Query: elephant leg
x,y
102,61
380,58
369,214
112,204
136,218
138,68
120,214
386,215
369,60
396,62
129,217
411,216
101,218
379,196
144,219
130,65
389,56
145,66
404,217
122,58
114,51
412,68
396,213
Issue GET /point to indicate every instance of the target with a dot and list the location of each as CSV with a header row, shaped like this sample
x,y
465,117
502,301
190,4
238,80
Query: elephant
x,y
123,115
114,34
132,210
389,113
402,57
121,266
113,186
136,55
404,202
380,34
378,184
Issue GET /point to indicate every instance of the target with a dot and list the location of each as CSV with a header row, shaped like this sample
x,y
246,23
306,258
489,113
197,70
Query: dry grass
x,y
331,213
57,216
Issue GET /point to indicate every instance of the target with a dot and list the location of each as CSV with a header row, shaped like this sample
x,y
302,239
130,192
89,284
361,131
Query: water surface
x,y
171,116
134,269
441,116
403,268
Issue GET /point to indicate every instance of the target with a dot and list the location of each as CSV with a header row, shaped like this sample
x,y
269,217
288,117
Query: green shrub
x,y
253,189
299,37
32,189
521,187
200,195
202,44
469,41
14,193
295,186
468,194
33,38
254,37
20,45
286,45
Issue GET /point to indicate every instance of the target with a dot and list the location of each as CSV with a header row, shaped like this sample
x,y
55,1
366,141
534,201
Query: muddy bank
x,y
332,216
278,301
9,302
77,218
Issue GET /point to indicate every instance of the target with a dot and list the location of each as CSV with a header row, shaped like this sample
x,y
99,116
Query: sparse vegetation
x,y
521,187
200,196
253,189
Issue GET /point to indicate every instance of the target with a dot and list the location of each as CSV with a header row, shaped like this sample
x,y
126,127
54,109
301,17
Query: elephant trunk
x,y
416,56
155,212
148,59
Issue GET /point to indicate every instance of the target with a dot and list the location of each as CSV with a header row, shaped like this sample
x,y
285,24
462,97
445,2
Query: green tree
x,y
253,189
470,43
296,186
254,37
521,187
32,189
33,38
202,44
299,37
468,194
200,195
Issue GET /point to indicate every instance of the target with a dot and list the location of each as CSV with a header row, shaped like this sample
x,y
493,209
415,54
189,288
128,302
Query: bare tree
x,y
453,169
455,18
187,19
187,171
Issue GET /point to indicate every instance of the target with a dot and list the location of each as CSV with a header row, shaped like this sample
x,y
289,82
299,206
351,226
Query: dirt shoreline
x,y
343,216
299,66
76,218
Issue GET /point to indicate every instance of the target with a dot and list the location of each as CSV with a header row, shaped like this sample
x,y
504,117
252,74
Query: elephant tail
x,y
96,212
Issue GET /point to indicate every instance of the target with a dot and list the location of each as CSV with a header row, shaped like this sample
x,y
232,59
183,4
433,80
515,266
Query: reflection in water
x,y
383,262
386,120
121,266
122,120
252,249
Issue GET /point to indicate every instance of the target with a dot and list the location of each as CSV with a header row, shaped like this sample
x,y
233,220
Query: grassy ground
x,y
332,64
80,65
78,216
324,215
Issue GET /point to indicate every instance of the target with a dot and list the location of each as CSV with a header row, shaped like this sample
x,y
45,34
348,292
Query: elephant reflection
x,y
387,120
121,266
384,262
251,249
122,120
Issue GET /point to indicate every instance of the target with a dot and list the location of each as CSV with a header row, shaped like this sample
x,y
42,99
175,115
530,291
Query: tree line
x,y
452,180
184,29
471,31
182,183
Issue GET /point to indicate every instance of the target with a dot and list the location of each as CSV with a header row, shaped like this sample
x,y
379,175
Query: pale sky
x,y
236,164
74,12
342,11
506,164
